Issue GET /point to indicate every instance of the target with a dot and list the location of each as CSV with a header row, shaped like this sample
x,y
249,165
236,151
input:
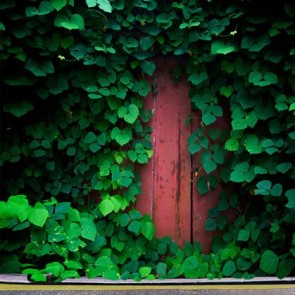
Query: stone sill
x,y
22,279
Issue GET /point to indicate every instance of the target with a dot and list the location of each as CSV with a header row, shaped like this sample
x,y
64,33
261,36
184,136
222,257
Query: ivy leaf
x,y
239,174
135,227
210,224
207,117
59,4
226,91
269,262
276,190
122,137
263,188
69,274
239,123
262,79
101,139
290,194
142,159
19,109
31,11
38,277
122,111
144,271
88,227
162,269
132,155
94,147
232,144
148,67
255,45
252,145
45,8
105,5
228,67
243,235
106,206
73,215
133,113
124,219
148,229
285,268
218,156
55,268
146,42
90,137
91,3
284,167
175,271
193,147
229,268
202,185
222,47
57,86
35,68
208,164
198,78
142,87
75,22
191,267
111,274
38,215
125,181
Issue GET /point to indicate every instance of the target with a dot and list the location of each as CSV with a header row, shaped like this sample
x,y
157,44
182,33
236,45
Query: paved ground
x,y
154,292
6,289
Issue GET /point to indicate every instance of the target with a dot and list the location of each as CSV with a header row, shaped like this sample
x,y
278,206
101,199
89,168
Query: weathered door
x,y
169,191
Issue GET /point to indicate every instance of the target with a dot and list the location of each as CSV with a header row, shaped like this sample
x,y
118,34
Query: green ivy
x,y
73,79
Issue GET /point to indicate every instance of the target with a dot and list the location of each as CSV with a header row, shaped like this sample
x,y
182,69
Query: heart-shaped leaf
x,y
148,229
75,22
262,79
132,114
269,262
122,137
105,5
232,144
38,215
19,109
222,47
146,43
148,67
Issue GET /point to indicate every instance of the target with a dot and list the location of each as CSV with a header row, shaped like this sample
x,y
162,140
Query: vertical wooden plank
x,y
201,204
166,180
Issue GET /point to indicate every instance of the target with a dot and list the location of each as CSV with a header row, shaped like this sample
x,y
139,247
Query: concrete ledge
x,y
8,289
19,285
22,279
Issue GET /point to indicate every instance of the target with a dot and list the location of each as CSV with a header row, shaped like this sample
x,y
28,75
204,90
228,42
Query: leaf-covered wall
x,y
73,78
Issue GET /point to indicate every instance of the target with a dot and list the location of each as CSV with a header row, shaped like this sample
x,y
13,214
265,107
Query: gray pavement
x,y
156,292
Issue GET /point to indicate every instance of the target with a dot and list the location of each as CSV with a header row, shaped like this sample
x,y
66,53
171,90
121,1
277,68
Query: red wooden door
x,y
169,193
166,179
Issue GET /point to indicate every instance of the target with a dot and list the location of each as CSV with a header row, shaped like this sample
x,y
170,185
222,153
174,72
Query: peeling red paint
x,y
166,179
169,192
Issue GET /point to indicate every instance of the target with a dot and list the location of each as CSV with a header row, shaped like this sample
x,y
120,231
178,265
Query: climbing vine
x,y
73,81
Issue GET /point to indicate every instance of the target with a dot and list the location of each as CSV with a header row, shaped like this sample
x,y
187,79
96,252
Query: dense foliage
x,y
73,79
